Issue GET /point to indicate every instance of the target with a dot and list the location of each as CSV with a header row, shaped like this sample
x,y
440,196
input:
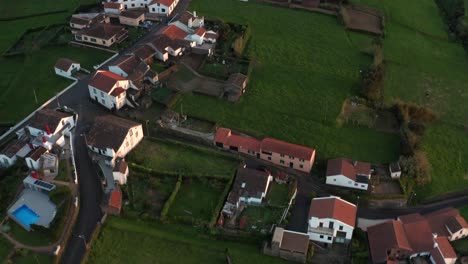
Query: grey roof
x,y
109,132
48,117
248,183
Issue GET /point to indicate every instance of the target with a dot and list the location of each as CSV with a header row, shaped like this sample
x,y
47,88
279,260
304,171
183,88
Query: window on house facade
x,y
334,179
329,238
103,101
153,9
93,40
291,157
301,160
282,155
355,184
341,227
321,236
73,25
126,144
320,224
102,94
131,132
301,166
85,38
350,182
136,134
362,186
163,10
282,161
133,5
269,158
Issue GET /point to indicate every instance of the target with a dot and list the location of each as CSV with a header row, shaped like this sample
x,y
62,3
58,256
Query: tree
x,y
373,83
416,167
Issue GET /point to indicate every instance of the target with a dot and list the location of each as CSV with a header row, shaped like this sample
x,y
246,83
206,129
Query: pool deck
x,y
37,202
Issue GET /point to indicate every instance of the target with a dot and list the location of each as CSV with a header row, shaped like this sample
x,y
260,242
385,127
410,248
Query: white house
x,y
188,20
131,4
109,89
113,136
113,8
250,187
120,171
17,148
66,67
442,252
162,7
347,173
33,159
395,170
331,220
49,127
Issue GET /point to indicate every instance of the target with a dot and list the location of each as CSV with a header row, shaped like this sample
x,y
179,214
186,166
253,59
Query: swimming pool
x,y
26,216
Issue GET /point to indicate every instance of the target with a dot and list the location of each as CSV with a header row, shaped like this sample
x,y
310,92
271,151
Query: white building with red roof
x,y
66,67
275,151
331,220
162,7
109,89
348,173
112,8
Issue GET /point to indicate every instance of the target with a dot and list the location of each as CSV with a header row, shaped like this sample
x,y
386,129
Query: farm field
x,y
197,199
121,238
34,70
297,87
169,156
424,67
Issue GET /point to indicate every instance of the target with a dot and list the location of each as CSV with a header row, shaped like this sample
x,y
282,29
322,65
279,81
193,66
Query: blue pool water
x,y
26,216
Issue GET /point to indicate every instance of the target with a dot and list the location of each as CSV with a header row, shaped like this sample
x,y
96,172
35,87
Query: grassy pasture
x,y
301,78
121,238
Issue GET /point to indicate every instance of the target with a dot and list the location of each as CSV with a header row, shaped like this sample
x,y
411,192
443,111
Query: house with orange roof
x,y
331,220
348,173
112,8
109,89
162,7
272,150
416,235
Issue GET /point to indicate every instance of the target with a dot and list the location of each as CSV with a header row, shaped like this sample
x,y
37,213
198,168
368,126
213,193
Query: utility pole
x,y
35,96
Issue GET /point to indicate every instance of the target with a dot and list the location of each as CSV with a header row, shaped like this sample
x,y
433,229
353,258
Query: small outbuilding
x,y
395,170
66,67
131,18
235,86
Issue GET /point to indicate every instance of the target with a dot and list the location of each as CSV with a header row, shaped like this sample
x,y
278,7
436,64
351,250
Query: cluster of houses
x,y
157,7
37,145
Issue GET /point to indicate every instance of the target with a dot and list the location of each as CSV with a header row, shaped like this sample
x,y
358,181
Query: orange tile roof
x,y
445,247
117,91
418,232
163,2
115,199
105,80
347,168
439,219
64,64
244,142
174,32
222,135
112,5
335,208
200,31
289,149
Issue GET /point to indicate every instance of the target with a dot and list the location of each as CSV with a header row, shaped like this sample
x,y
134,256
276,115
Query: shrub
x,y
169,201
373,82
220,204
416,167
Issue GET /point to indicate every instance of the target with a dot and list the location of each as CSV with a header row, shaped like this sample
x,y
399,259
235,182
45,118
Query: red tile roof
x,y
211,35
335,208
222,135
295,242
289,149
244,142
445,247
418,232
144,52
112,5
347,168
439,219
117,91
394,237
115,199
127,63
163,2
200,31
105,80
64,64
174,32
37,153
437,256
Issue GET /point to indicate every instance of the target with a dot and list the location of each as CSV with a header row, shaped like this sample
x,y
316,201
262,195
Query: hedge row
x,y
220,204
34,15
194,147
169,201
144,169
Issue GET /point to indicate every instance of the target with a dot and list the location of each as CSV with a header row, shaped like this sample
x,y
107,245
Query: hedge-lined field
x,y
179,158
122,238
424,67
305,67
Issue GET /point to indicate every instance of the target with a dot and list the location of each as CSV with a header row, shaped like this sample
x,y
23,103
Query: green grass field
x,y
5,248
261,217
22,74
30,257
197,199
29,238
169,156
301,78
121,238
278,194
425,68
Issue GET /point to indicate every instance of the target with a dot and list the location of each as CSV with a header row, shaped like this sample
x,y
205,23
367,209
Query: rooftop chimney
x,y
34,175
47,129
195,13
44,139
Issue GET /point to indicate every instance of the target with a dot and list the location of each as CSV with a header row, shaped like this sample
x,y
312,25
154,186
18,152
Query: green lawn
x,y
63,174
169,156
261,217
5,248
12,178
29,257
148,193
302,76
197,199
422,66
29,238
278,195
121,238
22,74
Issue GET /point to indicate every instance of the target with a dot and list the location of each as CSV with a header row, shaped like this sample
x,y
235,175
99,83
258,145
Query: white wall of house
x,y
161,9
117,70
67,74
134,136
33,164
315,222
120,177
113,11
343,181
131,21
462,233
161,56
288,161
6,161
119,100
195,38
106,99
